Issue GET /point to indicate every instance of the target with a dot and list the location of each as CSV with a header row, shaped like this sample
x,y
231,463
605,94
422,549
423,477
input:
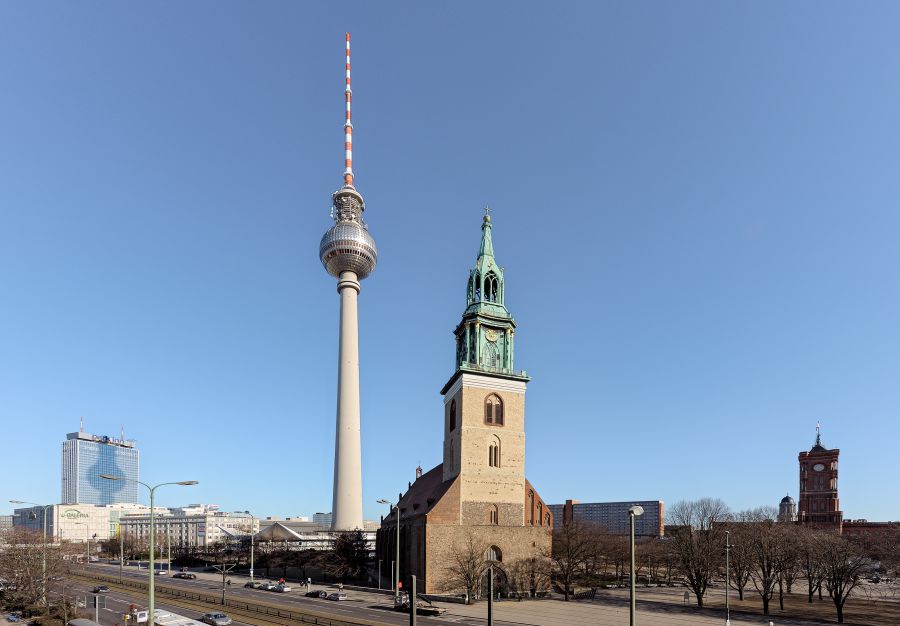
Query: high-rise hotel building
x,y
86,456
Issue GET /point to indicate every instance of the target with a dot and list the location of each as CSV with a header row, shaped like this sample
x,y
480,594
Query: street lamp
x,y
396,507
44,555
728,547
252,519
151,588
633,511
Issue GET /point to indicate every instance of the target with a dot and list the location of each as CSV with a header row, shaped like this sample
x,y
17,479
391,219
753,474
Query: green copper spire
x,y
485,336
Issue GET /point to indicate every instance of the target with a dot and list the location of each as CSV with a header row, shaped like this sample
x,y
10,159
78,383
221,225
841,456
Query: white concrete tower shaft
x,y
348,252
346,510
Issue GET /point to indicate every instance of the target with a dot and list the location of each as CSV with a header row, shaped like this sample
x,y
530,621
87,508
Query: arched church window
x,y
547,519
452,426
531,507
540,511
477,287
491,285
493,515
470,289
494,452
493,554
493,410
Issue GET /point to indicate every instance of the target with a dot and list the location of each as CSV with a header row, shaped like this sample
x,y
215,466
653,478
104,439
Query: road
x,y
359,606
117,603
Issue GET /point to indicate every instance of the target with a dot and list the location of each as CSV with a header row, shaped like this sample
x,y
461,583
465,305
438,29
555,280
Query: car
x,y
317,594
185,575
269,586
101,589
282,588
215,619
253,584
160,572
337,595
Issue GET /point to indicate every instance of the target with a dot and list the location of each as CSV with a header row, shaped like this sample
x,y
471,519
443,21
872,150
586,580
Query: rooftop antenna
x,y
122,432
348,127
81,427
818,434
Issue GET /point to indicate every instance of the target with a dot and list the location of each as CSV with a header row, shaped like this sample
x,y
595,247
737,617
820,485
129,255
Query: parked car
x,y
253,584
337,595
281,588
185,575
317,594
215,619
101,589
268,586
160,572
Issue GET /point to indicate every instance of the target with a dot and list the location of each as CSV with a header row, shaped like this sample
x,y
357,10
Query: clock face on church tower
x,y
818,467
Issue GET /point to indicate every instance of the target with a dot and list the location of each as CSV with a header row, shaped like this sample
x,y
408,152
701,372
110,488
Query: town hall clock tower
x,y
819,504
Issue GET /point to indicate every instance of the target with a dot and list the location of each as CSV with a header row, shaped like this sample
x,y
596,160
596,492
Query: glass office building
x,y
86,456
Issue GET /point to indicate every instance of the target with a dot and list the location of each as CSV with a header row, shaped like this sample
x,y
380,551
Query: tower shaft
x,y
347,498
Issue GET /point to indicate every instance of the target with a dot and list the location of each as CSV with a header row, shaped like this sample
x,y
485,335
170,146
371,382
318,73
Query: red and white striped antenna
x,y
348,127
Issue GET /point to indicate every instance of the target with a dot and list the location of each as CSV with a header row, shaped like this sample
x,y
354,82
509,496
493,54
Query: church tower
x,y
819,504
484,401
478,495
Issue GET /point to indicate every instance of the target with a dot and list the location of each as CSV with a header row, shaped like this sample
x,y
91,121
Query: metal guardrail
x,y
303,617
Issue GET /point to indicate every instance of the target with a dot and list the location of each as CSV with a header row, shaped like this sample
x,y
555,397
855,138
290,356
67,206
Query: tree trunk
x,y
765,600
780,595
840,611
741,593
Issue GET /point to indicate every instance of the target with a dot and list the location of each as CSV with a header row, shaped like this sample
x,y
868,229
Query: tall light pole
x,y
396,508
44,553
252,519
727,576
151,587
633,512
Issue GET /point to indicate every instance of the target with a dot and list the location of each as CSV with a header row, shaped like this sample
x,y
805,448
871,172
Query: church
x,y
479,495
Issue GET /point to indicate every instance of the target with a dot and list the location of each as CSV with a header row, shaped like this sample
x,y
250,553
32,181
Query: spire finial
x,y
81,427
818,434
348,127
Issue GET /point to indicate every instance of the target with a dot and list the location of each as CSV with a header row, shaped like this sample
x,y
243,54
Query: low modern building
x,y
78,522
192,526
613,516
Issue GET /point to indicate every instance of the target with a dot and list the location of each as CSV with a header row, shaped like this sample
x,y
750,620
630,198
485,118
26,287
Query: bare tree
x,y
842,563
810,556
572,543
740,560
697,545
766,543
467,565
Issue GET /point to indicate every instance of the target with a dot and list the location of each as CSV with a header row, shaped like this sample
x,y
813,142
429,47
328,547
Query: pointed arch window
x,y
493,410
540,512
452,416
547,520
531,507
491,356
477,287
491,287
493,554
494,452
493,515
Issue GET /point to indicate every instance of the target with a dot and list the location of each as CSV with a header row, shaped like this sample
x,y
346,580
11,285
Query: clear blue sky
x,y
696,205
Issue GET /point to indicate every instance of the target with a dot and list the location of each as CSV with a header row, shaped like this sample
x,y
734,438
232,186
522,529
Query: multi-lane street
x,y
359,606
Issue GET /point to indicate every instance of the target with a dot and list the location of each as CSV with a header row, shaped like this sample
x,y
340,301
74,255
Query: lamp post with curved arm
x,y
151,586
44,552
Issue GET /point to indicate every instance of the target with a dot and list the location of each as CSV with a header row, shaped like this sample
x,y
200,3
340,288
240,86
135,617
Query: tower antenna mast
x,y
348,126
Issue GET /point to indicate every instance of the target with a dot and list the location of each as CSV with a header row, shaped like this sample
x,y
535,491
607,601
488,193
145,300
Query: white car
x,y
281,588
268,586
337,595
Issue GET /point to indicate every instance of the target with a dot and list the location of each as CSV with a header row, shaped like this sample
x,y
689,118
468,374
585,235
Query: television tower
x,y
349,254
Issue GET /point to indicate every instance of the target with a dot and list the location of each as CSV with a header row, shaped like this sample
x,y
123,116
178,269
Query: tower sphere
x,y
348,246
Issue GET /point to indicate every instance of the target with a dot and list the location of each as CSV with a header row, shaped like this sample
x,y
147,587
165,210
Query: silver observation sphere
x,y
348,246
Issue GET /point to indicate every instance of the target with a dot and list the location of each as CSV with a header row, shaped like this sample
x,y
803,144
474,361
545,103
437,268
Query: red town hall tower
x,y
819,504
